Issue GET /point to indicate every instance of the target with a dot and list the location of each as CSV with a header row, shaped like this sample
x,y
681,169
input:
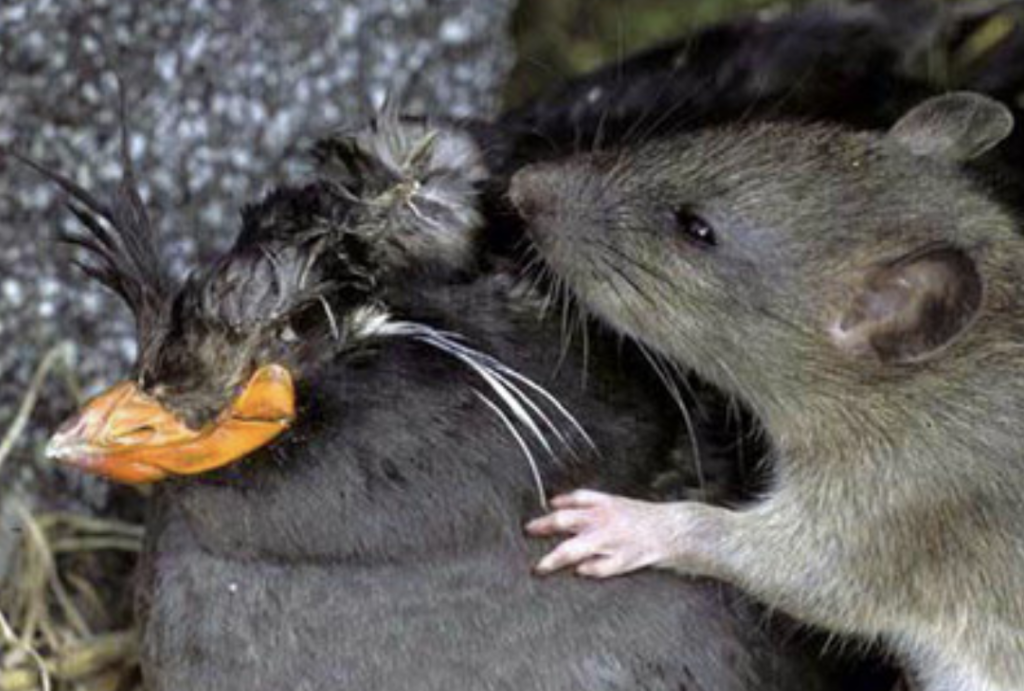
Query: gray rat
x,y
861,293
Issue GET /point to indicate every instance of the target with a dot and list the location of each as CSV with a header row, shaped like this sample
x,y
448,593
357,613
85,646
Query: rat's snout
x,y
561,200
534,190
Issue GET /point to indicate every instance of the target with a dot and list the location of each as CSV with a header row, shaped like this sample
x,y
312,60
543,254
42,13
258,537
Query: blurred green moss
x,y
558,38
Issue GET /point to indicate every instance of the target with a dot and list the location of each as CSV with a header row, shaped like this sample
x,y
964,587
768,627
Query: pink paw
x,y
610,535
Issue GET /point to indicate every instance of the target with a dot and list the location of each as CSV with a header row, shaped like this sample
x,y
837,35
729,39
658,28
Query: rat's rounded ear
x,y
905,310
957,126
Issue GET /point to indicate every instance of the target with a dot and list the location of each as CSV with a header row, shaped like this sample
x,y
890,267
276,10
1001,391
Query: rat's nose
x,y
534,190
563,202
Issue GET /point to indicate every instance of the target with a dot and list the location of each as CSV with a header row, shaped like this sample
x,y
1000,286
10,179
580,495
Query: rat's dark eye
x,y
695,228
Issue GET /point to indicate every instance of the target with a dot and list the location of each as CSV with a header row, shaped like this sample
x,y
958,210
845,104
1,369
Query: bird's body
x,y
379,545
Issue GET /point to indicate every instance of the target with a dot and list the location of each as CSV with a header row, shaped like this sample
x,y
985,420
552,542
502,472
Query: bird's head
x,y
219,353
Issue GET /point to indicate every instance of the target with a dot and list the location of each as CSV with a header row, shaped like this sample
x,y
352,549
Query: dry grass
x,y
58,629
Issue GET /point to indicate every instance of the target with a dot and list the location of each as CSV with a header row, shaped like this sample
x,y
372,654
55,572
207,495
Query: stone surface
x,y
222,95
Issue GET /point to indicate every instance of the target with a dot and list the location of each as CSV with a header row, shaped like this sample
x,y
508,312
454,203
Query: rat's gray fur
x,y
897,510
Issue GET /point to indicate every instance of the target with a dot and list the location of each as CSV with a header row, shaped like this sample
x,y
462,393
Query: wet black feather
x,y
296,263
273,297
127,252
120,240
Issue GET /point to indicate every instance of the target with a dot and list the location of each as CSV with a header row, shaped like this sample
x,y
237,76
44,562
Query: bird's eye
x,y
288,335
695,228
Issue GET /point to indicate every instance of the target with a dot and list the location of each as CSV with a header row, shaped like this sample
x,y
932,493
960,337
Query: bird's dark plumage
x,y
378,545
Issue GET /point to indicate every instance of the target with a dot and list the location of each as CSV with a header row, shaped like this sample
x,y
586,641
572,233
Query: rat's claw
x,y
615,535
581,498
602,567
569,553
563,521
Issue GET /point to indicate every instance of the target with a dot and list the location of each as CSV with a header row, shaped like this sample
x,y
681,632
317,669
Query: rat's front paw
x,y
612,535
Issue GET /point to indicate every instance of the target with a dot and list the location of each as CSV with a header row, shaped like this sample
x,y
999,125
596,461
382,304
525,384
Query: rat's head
x,y
782,249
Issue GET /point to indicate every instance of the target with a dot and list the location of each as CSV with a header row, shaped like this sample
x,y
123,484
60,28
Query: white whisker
x,y
496,374
534,468
536,409
504,381
520,413
676,395
335,333
451,344
554,402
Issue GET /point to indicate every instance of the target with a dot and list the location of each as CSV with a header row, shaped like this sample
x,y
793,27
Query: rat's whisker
x,y
508,395
672,387
543,393
582,319
536,411
554,402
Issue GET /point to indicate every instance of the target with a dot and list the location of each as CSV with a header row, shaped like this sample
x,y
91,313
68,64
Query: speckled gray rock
x,y
223,95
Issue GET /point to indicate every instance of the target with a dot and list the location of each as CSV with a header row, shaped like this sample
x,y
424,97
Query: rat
x,y
860,293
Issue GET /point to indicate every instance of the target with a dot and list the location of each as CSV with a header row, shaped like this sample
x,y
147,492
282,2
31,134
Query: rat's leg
x,y
805,573
615,535
811,574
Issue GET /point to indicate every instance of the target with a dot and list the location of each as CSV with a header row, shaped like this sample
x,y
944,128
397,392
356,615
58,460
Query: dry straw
x,y
48,640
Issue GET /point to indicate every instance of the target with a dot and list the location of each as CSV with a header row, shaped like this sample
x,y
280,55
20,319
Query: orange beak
x,y
126,435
